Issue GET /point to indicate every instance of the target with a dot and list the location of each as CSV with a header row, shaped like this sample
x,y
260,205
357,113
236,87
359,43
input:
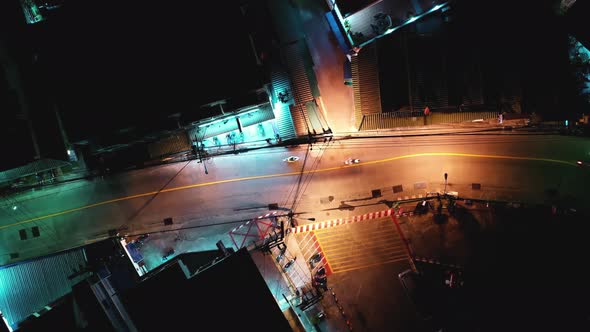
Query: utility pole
x,y
204,163
62,130
199,151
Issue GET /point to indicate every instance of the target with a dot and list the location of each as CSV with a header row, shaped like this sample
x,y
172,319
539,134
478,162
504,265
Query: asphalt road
x,y
239,187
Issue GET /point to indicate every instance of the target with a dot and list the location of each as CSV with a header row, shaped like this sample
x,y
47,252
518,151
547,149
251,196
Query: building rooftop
x,y
230,295
146,63
29,286
193,289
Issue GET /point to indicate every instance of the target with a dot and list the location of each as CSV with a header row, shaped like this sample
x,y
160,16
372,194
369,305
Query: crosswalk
x,y
354,246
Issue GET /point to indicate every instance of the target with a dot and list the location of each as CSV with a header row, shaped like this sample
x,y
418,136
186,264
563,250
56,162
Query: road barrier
x,y
417,118
342,221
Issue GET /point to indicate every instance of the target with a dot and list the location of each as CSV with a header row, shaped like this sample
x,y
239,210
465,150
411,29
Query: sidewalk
x,y
292,289
282,286
450,128
332,321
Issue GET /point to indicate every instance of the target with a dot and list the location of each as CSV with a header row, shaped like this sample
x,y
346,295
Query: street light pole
x,y
293,222
199,151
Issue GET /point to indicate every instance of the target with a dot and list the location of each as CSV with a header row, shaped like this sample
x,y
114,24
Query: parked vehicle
x,y
321,271
169,253
281,255
416,292
289,264
141,239
453,279
320,283
320,279
316,258
423,207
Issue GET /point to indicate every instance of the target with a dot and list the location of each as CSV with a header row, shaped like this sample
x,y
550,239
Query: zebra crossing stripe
x,y
341,221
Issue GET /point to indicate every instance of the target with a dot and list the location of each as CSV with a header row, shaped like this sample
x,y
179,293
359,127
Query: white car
x,y
351,161
291,159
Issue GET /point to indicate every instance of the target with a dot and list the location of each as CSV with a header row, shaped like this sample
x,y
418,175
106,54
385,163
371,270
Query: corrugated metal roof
x,y
366,21
31,168
27,287
280,85
366,86
263,113
294,56
169,145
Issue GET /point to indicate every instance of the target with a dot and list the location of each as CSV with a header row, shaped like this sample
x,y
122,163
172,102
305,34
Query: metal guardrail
x,y
417,118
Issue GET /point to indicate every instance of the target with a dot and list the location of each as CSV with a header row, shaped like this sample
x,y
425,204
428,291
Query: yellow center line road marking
x,y
258,177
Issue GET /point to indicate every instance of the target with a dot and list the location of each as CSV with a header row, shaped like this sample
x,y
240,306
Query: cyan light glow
x,y
409,21
579,51
31,11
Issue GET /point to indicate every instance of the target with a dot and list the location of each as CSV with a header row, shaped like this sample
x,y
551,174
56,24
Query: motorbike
x,y
142,238
289,264
321,272
316,258
320,315
291,159
320,281
168,254
281,255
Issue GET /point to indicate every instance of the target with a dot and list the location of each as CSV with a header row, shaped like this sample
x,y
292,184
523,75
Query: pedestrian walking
x,y
426,113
